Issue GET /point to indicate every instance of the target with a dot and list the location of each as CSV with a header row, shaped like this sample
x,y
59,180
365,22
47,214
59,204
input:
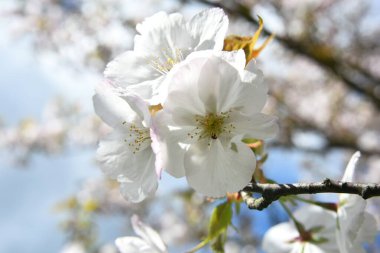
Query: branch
x,y
347,73
272,192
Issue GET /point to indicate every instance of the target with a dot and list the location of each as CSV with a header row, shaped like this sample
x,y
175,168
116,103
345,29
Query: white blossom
x,y
355,226
162,42
319,237
212,104
148,242
126,154
346,230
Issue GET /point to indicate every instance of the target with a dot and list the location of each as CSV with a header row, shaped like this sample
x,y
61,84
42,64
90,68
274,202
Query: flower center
x,y
211,126
167,61
138,137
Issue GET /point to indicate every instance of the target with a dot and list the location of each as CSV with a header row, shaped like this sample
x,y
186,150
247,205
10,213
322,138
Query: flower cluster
x,y
178,103
324,231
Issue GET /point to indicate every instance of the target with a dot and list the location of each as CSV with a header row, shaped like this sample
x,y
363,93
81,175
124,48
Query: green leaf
x,y
264,158
218,245
220,219
237,207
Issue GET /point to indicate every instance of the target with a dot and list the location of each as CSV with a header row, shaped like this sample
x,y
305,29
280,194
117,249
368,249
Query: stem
x,y
272,192
300,228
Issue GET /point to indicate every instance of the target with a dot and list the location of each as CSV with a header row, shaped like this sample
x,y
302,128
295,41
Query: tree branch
x,y
347,73
272,192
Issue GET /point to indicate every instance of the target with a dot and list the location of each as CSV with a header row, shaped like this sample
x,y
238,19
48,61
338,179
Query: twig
x,y
272,192
332,63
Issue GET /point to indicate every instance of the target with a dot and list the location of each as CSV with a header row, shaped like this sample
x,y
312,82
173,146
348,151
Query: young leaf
x,y
220,219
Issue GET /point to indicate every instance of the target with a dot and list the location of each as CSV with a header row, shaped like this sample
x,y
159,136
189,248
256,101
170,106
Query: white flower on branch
x,y
212,104
149,241
354,226
164,41
126,154
318,237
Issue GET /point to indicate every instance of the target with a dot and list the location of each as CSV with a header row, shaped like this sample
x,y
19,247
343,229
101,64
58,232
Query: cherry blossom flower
x,y
212,104
355,226
126,154
319,236
352,226
164,41
148,242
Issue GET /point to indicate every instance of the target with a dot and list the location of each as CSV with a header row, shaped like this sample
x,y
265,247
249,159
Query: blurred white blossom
x,y
148,242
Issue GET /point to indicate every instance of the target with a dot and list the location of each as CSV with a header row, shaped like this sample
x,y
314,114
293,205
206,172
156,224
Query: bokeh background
x,y
323,70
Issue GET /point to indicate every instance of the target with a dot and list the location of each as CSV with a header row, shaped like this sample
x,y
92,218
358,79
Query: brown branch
x,y
272,192
346,73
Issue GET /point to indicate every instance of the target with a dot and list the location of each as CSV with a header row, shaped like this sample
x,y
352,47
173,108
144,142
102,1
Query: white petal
x,y
258,126
351,166
162,33
130,68
139,180
215,170
140,107
170,152
148,234
355,225
133,245
321,217
368,229
218,84
113,154
209,27
182,88
235,58
221,88
112,109
278,238
135,172
253,74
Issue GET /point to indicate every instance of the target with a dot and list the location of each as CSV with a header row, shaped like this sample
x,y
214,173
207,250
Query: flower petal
x,y
130,244
170,153
215,170
351,166
209,27
258,126
140,107
161,34
140,180
130,68
148,234
278,238
134,171
112,109
182,88
221,87
252,74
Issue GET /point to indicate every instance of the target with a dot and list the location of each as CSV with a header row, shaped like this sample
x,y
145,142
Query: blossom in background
x,y
126,154
319,236
343,231
148,242
212,104
164,41
355,226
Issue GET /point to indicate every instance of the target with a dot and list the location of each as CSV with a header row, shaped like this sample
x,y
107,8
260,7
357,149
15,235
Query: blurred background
x,y
322,68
